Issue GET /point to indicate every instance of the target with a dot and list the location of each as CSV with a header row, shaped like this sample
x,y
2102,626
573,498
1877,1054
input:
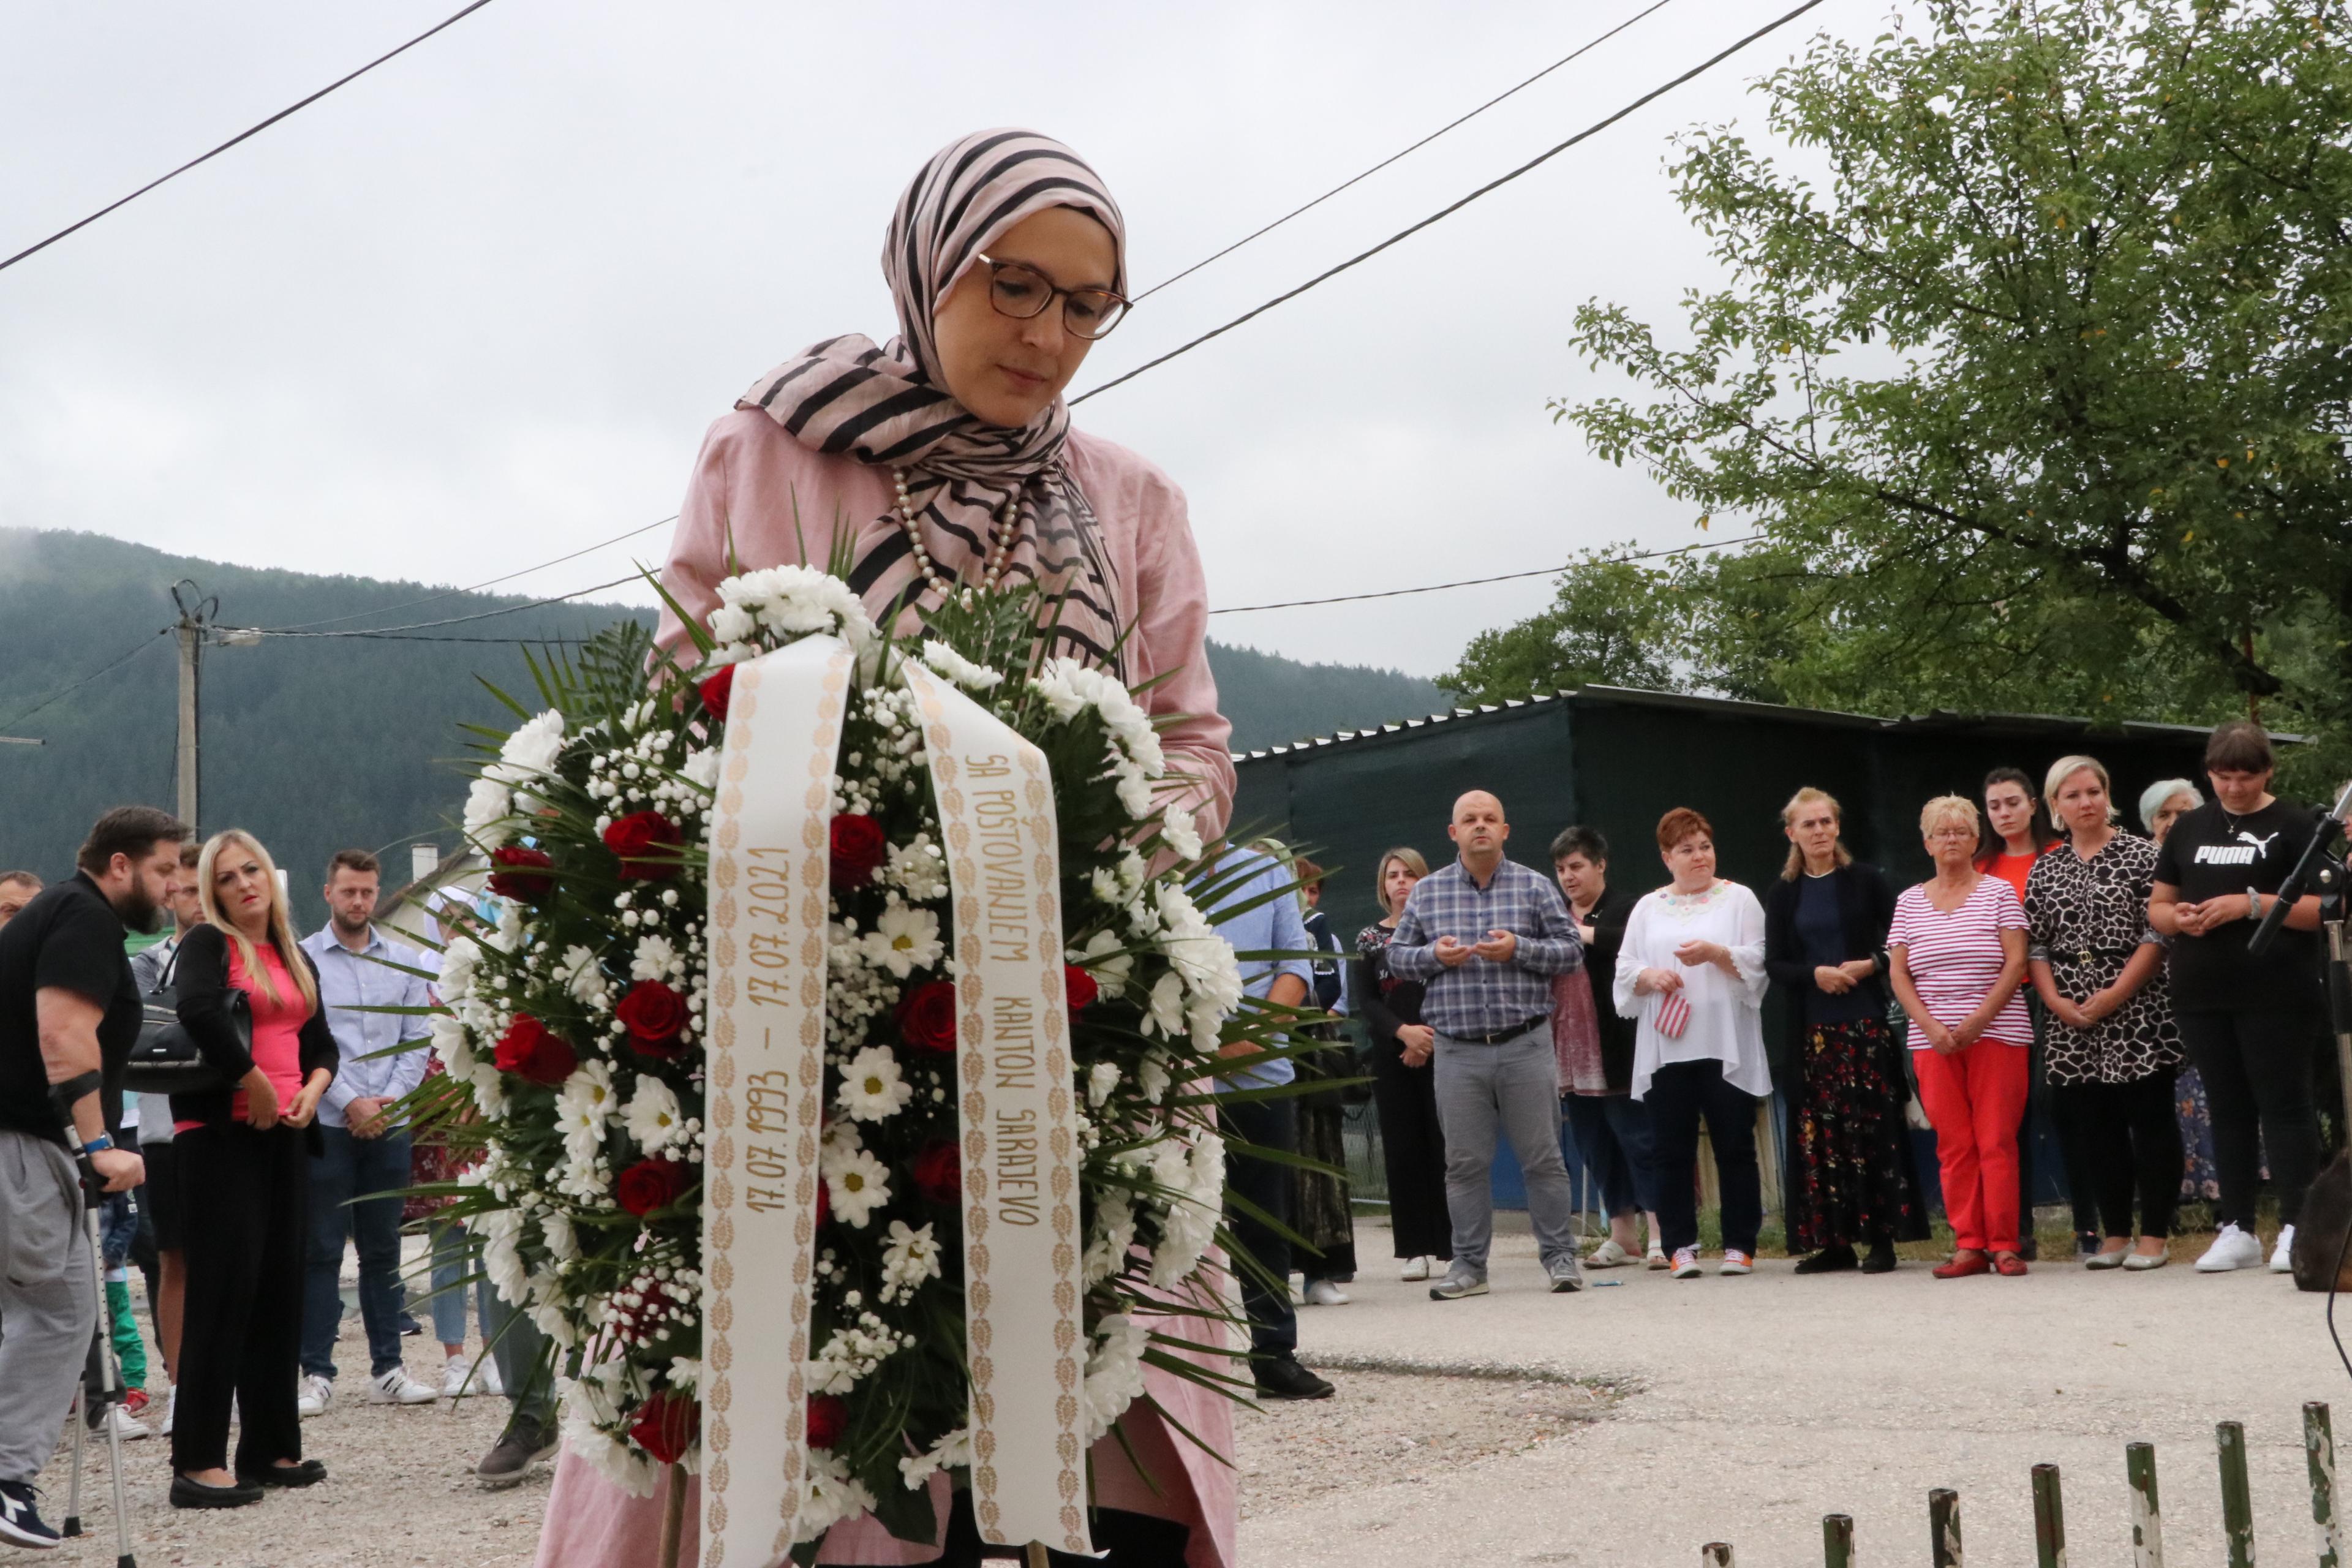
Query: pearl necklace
x,y
1000,551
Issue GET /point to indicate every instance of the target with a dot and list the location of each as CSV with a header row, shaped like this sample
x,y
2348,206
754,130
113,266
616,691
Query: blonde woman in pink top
x,y
943,461
1956,956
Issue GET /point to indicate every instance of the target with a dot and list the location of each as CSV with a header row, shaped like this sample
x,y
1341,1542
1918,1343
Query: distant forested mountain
x,y
318,742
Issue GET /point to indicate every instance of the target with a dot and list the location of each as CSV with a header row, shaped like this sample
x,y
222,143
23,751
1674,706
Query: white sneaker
x,y
1736,1262
1415,1268
123,1423
1607,1255
170,1409
475,1380
2233,1248
2282,1258
397,1388
1325,1293
1686,1263
316,1393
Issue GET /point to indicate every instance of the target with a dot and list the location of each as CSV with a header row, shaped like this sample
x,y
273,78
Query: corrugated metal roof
x,y
1937,719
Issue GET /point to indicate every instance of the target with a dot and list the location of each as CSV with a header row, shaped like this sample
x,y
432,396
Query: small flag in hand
x,y
1674,1014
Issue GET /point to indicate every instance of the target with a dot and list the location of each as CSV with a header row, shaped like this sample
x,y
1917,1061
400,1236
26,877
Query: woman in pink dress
x,y
941,461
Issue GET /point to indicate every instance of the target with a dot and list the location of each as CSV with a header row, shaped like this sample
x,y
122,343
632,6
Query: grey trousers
x,y
49,1299
1512,1087
519,1352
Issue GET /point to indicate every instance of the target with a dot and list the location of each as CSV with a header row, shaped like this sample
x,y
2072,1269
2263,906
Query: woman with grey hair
x,y
2113,1044
2162,802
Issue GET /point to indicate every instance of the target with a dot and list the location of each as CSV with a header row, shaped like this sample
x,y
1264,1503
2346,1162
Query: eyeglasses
x,y
1019,290
1954,834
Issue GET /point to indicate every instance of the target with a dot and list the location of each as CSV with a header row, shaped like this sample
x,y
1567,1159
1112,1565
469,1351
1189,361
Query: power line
x,y
453,593
85,680
1595,129
455,620
1416,147
1504,577
241,136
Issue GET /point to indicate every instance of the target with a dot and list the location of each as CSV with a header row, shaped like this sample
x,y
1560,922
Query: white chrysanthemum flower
x,y
732,624
456,981
1166,1012
655,958
577,970
1134,793
703,767
654,1119
1205,958
1095,958
1114,1233
871,1087
685,1371
795,601
956,668
951,1451
563,1242
1061,694
533,748
449,1044
834,1495
857,1183
907,939
1100,1082
1114,1371
590,1087
490,1093
1152,1076
1181,831
490,810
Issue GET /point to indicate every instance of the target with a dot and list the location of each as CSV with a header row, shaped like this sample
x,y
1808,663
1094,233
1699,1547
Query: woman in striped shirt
x,y
1957,950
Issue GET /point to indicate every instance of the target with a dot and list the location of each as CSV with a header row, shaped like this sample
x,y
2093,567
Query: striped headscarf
x,y
888,406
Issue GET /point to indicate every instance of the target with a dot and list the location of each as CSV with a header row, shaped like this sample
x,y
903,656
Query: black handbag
x,y
166,1060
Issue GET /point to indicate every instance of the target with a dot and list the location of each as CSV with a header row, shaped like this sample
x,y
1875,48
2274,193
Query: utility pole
x,y
193,611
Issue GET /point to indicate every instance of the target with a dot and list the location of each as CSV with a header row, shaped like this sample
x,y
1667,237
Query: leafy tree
x,y
2043,399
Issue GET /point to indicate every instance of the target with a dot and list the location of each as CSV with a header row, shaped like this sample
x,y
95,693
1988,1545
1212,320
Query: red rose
x,y
654,1016
939,1171
927,1017
859,847
716,691
824,1202
649,1184
527,875
531,1052
1079,987
828,1418
646,842
667,1425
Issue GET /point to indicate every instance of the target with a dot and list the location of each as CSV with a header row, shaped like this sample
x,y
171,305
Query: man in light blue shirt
x,y
1253,901
364,1153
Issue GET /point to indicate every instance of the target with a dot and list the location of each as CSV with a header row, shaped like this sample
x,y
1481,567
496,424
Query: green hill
x,y
319,742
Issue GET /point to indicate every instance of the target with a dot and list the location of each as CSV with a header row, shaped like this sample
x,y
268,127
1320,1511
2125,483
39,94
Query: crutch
x,y
93,1192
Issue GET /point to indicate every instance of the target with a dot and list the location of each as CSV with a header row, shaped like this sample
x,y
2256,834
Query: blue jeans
x,y
456,1256
1612,1138
354,1168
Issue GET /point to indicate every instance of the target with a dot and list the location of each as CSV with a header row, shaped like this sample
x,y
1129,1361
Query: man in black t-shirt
x,y
69,1017
2248,1022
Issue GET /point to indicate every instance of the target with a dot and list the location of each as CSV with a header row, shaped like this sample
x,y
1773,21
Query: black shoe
x,y
2029,1249
1881,1259
20,1521
409,1327
2087,1243
1832,1260
186,1493
301,1473
1283,1378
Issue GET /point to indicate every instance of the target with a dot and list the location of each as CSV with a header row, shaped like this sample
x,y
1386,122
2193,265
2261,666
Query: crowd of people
x,y
238,1196
2056,958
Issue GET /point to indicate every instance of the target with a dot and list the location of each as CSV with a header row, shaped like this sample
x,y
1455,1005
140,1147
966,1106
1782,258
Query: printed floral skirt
x,y
2199,1182
1852,1178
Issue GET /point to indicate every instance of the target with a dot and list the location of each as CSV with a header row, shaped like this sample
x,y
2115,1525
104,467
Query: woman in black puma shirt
x,y
2248,1022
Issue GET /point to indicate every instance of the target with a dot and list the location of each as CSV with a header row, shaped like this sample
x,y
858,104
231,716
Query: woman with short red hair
x,y
1692,970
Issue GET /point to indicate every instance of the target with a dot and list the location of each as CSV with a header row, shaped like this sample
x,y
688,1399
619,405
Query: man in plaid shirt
x,y
1487,935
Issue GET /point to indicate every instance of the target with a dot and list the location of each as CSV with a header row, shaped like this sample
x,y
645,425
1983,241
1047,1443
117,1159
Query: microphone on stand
x,y
2315,855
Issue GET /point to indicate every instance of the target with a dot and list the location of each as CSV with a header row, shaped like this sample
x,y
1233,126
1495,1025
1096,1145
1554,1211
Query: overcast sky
x,y
476,310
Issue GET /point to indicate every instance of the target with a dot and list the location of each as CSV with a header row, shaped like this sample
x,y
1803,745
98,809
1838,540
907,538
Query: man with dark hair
x,y
17,889
360,975
70,1015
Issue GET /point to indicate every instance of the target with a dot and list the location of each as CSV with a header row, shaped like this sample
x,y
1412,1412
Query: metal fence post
x,y
1837,1540
2237,1497
2147,1510
1715,1554
2049,1519
1944,1528
2319,1454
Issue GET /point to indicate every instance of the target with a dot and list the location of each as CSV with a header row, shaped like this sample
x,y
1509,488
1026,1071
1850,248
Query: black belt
x,y
1500,1036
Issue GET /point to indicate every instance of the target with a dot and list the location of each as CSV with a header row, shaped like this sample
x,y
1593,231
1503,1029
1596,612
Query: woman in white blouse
x,y
1692,971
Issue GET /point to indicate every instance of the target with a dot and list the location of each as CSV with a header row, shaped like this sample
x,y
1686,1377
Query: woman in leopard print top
x,y
2112,1047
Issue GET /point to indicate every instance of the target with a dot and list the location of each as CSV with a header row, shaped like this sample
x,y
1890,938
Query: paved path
x,y
1766,1402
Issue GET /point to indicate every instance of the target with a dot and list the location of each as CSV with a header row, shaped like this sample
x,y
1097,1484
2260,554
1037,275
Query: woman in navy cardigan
x,y
1851,1175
